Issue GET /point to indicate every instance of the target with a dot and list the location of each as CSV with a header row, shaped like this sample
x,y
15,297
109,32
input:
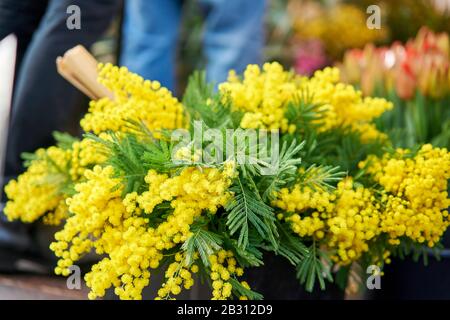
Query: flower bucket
x,y
277,280
407,279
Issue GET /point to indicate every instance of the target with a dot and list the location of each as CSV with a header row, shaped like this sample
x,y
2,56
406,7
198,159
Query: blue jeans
x,y
233,37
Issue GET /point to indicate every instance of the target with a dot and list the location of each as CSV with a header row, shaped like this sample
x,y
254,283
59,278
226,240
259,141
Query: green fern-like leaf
x,y
64,140
251,256
314,267
247,210
321,177
286,171
304,113
204,104
291,246
240,290
158,156
124,155
202,241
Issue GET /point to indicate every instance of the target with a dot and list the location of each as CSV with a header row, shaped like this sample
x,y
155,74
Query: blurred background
x,y
303,34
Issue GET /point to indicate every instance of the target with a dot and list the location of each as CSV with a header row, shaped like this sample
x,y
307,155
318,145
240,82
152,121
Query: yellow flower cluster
x,y
343,105
413,204
38,191
346,218
223,268
190,192
136,99
130,249
415,197
263,96
178,276
85,154
299,200
188,155
117,227
355,221
94,204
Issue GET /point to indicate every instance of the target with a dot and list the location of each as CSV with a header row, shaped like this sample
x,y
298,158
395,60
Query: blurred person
x,y
233,37
43,101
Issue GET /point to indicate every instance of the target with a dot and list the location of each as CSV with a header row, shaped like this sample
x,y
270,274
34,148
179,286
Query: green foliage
x,y
125,157
342,145
342,276
140,130
343,148
247,209
159,214
251,256
417,121
247,224
314,267
64,140
286,171
290,245
27,158
320,177
304,113
158,156
57,176
416,251
202,241
240,290
202,103
134,154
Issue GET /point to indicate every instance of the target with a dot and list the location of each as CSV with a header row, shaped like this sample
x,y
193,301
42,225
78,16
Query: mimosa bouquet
x,y
414,76
271,162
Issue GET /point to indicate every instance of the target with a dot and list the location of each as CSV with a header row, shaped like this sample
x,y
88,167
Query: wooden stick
x,y
65,72
79,67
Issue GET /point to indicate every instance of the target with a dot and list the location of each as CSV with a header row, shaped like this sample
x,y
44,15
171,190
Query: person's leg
x,y
43,100
234,35
149,39
21,18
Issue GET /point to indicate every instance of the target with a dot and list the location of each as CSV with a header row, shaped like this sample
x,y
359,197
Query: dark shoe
x,y
13,234
15,244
